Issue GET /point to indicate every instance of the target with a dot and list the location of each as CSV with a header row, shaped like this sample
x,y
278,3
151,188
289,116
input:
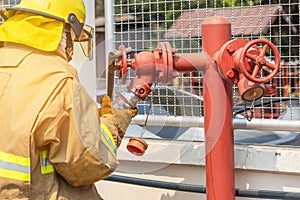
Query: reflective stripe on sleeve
x,y
14,167
108,140
46,166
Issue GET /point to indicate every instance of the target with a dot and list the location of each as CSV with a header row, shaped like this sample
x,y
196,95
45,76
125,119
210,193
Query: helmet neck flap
x,y
70,13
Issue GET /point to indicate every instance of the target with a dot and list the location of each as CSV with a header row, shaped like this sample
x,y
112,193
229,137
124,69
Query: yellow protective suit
x,y
51,143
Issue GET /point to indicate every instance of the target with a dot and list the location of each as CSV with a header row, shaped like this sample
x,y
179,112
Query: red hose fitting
x,y
145,70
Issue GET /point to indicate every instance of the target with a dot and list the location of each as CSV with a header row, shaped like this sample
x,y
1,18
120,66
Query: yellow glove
x,y
122,119
117,121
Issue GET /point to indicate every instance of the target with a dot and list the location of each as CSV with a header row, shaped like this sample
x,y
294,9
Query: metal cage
x,y
141,24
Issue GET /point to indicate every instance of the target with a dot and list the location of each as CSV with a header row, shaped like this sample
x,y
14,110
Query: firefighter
x,y
54,142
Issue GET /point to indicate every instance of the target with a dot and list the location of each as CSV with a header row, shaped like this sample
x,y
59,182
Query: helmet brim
x,y
9,11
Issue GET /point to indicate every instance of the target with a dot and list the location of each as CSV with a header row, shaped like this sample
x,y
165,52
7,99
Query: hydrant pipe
x,y
191,62
144,65
218,112
216,31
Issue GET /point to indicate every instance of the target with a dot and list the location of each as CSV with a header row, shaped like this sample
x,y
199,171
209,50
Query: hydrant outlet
x,y
251,91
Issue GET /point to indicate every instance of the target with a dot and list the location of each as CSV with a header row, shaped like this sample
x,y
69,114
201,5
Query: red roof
x,y
250,20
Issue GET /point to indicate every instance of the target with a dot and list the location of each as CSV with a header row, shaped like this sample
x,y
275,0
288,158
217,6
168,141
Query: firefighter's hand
x,y
122,119
116,120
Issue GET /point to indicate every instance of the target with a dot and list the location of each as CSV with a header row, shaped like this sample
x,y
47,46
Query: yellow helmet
x,y
68,11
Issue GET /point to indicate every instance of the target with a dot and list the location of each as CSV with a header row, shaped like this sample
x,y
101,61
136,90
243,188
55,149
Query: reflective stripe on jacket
x,y
51,143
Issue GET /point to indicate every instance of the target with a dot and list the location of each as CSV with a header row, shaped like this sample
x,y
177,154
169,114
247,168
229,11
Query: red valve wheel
x,y
123,59
259,62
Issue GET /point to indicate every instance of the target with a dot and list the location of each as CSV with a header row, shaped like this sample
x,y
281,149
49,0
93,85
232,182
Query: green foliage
x,y
99,8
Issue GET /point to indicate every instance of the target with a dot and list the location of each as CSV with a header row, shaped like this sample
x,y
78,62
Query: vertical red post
x,y
216,31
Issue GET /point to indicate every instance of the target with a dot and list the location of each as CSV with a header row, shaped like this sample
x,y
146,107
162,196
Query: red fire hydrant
x,y
223,62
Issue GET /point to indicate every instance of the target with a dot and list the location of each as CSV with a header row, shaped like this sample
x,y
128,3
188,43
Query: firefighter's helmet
x,y
69,11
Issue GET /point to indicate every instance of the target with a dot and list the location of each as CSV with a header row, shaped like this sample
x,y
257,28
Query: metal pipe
x,y
163,120
268,124
190,62
218,115
145,70
188,121
109,29
261,194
